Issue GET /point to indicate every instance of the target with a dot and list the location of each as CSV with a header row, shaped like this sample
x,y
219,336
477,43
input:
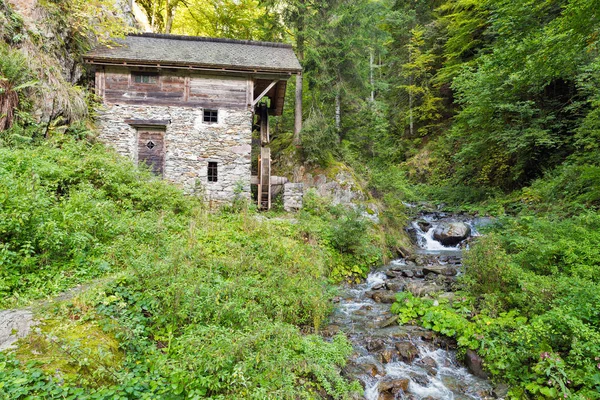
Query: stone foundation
x,y
293,194
189,145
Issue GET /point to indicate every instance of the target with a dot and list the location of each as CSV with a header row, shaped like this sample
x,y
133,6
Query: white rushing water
x,y
448,380
426,241
434,373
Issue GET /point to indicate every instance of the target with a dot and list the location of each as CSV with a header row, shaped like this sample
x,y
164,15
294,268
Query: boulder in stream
x,y
428,364
387,356
407,351
440,270
475,364
422,289
424,225
395,285
393,385
374,345
451,233
383,296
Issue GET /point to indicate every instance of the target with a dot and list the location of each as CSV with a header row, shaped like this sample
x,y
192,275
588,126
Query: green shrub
x,y
201,304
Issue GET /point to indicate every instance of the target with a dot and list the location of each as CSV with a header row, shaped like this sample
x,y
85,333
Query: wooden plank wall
x,y
174,88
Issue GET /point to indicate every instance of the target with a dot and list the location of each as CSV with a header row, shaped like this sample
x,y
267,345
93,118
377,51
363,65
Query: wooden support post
x,y
250,94
264,125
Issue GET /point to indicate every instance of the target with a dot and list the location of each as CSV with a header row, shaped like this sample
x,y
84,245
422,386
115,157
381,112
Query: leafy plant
x,y
15,78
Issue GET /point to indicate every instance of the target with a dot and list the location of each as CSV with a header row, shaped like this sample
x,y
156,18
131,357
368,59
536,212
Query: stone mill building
x,y
187,107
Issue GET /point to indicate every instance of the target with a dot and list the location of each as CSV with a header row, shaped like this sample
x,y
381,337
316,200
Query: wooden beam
x,y
267,73
250,94
255,102
275,180
264,125
186,89
148,122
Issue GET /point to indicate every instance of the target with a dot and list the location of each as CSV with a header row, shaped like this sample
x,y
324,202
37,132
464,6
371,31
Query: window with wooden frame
x,y
148,78
211,116
212,172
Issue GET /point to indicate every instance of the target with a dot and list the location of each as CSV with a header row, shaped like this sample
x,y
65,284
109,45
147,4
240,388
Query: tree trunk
x,y
300,52
411,125
338,110
171,8
371,76
298,111
154,16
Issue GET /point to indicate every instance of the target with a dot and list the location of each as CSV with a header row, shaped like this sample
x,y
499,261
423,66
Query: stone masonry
x,y
292,196
190,144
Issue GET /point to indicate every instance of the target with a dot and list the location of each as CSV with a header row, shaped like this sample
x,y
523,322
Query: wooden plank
x,y
204,81
264,188
148,122
143,96
275,180
279,99
264,125
264,92
218,93
178,89
100,82
151,149
186,89
193,103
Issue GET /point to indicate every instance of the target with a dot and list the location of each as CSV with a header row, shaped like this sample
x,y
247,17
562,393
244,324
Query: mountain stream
x,y
407,362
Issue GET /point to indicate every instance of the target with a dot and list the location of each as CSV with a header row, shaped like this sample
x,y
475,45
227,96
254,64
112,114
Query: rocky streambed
x,y
409,362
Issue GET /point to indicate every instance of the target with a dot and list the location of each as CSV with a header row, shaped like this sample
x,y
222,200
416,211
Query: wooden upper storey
x,y
122,85
169,70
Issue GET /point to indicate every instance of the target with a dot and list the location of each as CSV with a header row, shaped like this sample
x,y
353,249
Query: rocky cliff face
x,y
54,37
341,186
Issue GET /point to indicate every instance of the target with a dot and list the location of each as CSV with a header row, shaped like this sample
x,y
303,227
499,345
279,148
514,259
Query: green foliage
x,y
11,24
246,19
529,306
544,357
319,141
15,79
352,241
572,188
63,213
198,304
424,106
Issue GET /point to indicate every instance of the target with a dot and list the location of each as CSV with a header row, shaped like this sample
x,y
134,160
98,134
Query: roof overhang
x,y
190,67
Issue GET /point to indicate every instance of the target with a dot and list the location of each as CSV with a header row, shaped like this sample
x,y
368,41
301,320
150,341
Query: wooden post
x,y
264,125
264,184
298,112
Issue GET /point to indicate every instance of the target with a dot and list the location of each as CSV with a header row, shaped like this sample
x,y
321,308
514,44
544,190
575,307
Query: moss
x,y
73,349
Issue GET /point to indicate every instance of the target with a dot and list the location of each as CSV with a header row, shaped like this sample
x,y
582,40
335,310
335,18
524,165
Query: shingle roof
x,y
175,50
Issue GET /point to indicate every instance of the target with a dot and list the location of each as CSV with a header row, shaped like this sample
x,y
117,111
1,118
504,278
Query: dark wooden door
x,y
151,149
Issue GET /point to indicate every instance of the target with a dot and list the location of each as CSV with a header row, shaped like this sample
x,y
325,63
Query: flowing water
x,y
406,362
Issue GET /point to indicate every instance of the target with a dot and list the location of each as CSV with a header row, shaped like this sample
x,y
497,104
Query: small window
x,y
211,116
212,172
145,77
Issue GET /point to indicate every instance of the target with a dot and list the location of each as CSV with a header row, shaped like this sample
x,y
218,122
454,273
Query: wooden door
x,y
151,149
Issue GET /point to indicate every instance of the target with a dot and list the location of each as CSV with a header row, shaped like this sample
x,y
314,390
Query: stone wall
x,y
292,196
189,145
